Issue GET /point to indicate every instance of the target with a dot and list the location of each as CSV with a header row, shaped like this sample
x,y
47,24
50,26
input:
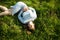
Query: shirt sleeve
x,y
21,18
34,15
18,6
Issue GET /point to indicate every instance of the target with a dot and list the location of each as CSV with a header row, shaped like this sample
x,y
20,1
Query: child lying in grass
x,y
25,14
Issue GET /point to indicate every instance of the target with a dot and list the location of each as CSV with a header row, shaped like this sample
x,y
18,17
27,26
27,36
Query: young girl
x,y
25,14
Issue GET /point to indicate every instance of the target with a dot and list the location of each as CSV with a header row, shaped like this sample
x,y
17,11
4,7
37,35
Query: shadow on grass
x,y
7,20
17,22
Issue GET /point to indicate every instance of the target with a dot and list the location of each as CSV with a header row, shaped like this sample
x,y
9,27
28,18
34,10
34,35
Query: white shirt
x,y
29,15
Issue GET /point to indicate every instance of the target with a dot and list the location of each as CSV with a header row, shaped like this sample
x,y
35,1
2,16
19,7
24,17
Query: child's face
x,y
31,26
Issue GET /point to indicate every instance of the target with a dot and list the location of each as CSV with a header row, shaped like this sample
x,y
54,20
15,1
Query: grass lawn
x,y
47,22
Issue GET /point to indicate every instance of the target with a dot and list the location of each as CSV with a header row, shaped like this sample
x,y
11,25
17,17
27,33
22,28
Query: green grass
x,y
47,23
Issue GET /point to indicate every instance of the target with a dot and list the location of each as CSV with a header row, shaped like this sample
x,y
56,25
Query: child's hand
x,y
25,9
